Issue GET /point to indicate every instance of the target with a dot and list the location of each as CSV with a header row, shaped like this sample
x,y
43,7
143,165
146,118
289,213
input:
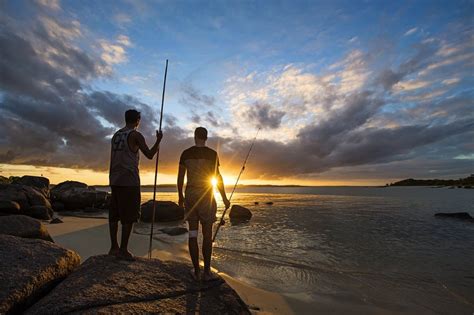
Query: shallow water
x,y
378,247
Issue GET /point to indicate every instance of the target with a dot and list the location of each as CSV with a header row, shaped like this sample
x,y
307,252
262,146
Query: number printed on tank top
x,y
119,141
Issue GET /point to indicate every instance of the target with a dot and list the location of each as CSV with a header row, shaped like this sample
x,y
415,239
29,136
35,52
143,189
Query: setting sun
x,y
214,182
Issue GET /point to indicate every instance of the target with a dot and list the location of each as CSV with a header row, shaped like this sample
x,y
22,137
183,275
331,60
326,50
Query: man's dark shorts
x,y
200,205
125,205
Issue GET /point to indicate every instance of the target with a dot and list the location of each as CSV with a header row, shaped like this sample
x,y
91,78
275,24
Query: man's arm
x,y
181,173
220,187
140,141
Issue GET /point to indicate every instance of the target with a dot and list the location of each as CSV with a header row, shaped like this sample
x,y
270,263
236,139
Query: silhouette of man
x,y
202,166
124,180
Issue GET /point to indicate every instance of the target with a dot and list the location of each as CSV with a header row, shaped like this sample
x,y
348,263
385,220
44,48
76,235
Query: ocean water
x,y
367,246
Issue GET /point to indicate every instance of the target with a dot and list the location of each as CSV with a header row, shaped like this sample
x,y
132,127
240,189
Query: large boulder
x,y
38,182
456,215
239,213
166,211
67,185
25,196
106,285
9,207
29,268
77,196
23,226
40,212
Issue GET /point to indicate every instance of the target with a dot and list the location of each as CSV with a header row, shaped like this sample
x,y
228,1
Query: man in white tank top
x,y
124,180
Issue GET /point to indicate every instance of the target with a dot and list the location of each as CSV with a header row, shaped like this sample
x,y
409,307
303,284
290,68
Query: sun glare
x,y
214,182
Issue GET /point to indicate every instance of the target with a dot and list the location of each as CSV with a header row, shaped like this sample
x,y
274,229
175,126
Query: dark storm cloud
x,y
48,115
321,140
264,116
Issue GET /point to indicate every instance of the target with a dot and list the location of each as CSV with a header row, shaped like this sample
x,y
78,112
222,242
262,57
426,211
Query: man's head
x,y
200,135
132,117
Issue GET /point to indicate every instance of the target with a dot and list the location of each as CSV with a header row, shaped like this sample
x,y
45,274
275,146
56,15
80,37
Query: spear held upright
x,y
156,164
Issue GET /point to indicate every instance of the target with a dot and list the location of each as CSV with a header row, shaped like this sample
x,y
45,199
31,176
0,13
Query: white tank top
x,y
123,161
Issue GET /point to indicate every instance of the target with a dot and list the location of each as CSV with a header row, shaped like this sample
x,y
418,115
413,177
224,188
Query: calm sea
x,y
369,247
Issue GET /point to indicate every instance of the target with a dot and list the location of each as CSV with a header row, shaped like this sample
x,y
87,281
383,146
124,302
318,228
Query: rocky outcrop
x,y
40,212
9,207
25,196
166,211
103,284
456,215
40,183
23,226
72,196
239,213
29,268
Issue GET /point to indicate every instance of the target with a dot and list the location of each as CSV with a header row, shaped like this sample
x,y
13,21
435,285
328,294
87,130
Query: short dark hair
x,y
132,116
200,133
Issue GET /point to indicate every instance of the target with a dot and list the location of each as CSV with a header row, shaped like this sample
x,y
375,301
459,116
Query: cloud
x,y
124,40
49,115
192,98
49,4
122,19
411,31
112,53
264,116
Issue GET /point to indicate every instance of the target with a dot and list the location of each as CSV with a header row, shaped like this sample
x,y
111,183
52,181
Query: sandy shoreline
x,y
89,237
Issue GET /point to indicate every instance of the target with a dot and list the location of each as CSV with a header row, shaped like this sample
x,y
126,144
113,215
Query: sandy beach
x,y
89,237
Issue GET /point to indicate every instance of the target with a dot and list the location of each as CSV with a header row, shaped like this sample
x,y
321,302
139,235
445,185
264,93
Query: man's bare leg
x,y
114,247
207,251
194,247
126,231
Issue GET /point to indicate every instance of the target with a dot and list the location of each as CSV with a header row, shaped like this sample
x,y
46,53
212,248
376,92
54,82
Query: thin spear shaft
x,y
156,164
235,186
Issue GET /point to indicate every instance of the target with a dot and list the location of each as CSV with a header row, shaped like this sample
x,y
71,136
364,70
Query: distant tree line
x,y
468,181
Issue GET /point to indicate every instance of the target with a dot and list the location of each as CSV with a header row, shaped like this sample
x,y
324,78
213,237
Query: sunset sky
x,y
345,92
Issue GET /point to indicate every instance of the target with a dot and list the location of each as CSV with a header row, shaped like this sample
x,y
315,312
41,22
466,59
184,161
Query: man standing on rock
x,y
202,166
124,180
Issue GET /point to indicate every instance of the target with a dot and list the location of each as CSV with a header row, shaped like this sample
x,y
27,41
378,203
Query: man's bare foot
x,y
209,276
114,251
125,255
195,274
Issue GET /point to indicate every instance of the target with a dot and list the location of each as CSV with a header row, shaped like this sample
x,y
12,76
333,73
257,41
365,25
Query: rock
x,y
57,206
38,182
92,210
25,196
239,213
269,203
67,185
23,226
40,212
174,230
75,195
9,207
56,221
106,285
165,211
456,215
29,268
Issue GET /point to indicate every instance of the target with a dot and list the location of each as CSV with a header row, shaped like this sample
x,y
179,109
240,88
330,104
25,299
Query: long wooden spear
x,y
156,164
